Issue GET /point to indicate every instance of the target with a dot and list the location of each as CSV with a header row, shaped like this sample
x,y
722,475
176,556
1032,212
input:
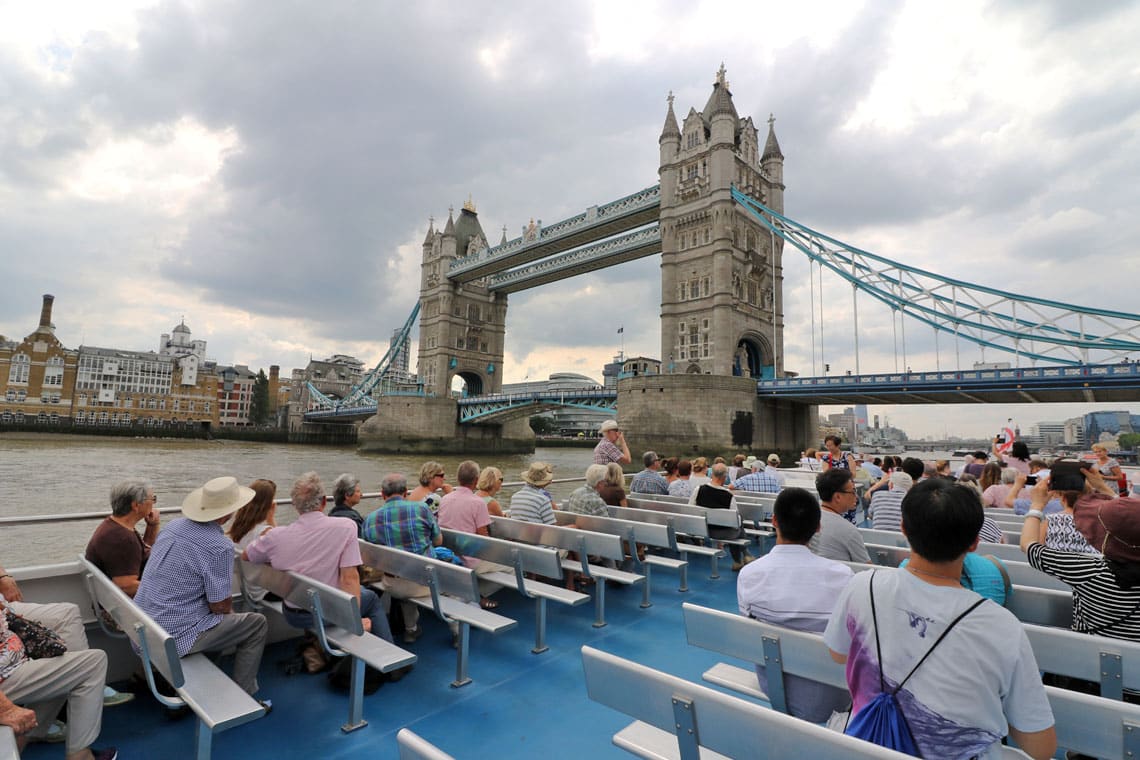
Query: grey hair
x,y
467,474
1008,475
595,473
648,458
126,494
308,493
393,484
718,471
344,486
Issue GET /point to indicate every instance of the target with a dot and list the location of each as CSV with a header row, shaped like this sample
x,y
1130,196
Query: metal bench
x,y
414,747
522,559
1096,726
1021,573
1113,663
1010,552
694,525
217,702
336,623
454,595
675,718
8,747
632,533
585,543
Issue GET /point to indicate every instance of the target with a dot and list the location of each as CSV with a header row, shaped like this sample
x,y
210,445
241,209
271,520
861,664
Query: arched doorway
x,y
753,358
466,384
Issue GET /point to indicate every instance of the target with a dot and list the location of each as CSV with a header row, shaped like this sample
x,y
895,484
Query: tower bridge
x,y
717,219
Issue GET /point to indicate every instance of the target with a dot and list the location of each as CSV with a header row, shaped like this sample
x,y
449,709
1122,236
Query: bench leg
x,y
203,741
461,677
713,563
355,697
645,591
539,626
684,570
599,602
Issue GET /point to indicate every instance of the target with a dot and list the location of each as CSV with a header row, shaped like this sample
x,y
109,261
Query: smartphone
x,y
1067,475
1030,480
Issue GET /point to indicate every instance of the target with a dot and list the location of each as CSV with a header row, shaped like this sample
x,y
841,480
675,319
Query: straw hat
x,y
218,498
750,462
608,425
774,459
539,474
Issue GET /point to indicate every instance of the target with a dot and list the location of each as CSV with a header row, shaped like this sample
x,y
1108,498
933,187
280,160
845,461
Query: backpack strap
x,y
955,622
875,622
1004,575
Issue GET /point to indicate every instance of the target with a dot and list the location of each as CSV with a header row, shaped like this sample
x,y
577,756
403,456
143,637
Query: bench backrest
x,y
447,578
704,717
627,530
304,593
1114,663
581,541
1010,552
754,511
729,518
414,747
135,623
540,560
693,525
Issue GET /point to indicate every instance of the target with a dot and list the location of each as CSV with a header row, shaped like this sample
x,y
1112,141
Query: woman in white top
x,y
255,518
1107,466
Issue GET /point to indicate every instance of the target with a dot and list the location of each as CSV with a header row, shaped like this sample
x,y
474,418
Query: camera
x,y
1067,475
1030,480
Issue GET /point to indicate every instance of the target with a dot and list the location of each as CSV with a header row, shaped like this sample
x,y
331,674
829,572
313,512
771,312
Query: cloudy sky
x,y
267,170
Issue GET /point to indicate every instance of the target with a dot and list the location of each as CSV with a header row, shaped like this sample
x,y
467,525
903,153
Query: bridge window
x,y
705,286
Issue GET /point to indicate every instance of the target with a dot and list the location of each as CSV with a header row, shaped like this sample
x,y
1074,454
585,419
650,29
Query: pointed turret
x,y
449,228
771,147
670,130
720,101
431,231
504,239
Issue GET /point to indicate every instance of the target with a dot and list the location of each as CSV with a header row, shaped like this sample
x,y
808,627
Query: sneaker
x,y
267,705
112,697
411,634
736,566
105,754
56,733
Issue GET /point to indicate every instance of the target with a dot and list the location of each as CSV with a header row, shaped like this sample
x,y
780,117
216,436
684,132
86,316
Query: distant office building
x,y
861,422
567,420
1109,425
1050,433
1075,432
235,394
844,423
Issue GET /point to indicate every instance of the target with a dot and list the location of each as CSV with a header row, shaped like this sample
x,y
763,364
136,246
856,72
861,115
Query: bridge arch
x,y
467,383
754,357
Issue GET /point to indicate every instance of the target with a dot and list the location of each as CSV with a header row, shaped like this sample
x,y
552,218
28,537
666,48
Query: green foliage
x,y
259,404
542,425
1129,441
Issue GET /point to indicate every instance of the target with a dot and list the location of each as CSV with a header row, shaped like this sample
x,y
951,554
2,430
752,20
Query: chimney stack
x,y
45,312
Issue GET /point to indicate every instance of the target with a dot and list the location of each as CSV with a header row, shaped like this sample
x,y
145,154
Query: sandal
x,y
488,603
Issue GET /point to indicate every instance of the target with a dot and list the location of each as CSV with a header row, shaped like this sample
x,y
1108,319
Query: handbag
x,y
40,642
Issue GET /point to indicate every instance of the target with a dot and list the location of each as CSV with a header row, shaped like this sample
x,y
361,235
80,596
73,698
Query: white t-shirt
x,y
982,673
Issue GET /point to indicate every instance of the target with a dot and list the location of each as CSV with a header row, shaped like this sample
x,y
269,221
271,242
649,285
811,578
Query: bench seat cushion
x,y
373,650
742,680
657,559
644,740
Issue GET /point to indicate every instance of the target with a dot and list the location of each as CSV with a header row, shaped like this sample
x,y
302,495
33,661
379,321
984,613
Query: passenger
x,y
757,481
612,447
700,473
257,516
489,485
669,467
433,479
834,457
533,503
187,584
792,587
720,460
1017,458
716,495
967,460
34,690
585,500
1020,496
1108,467
810,460
346,495
942,469
996,482
886,505
1106,589
887,620
462,510
1059,531
837,538
115,547
649,480
737,468
975,467
773,469
612,489
681,487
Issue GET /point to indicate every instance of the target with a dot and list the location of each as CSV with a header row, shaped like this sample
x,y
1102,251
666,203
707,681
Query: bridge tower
x,y
721,272
462,325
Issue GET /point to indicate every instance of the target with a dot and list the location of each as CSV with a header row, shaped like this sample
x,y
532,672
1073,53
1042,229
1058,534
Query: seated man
x,y
187,585
837,539
585,499
115,547
462,510
886,505
346,495
978,679
757,481
649,480
792,587
76,677
715,495
322,548
410,526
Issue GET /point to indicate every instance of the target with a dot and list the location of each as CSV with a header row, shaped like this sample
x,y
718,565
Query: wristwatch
x,y
1035,513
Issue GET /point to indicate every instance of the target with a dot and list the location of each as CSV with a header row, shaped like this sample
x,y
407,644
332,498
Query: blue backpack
x,y
881,721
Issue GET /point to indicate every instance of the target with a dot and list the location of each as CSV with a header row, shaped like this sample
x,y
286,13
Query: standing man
x,y
649,480
612,447
187,585
409,526
792,587
837,538
346,495
905,614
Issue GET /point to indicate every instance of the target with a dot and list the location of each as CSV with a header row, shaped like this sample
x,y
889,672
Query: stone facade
x,y
721,271
37,374
428,426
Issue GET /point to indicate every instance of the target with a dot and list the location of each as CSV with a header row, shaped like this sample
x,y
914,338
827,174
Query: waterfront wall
x,y
427,425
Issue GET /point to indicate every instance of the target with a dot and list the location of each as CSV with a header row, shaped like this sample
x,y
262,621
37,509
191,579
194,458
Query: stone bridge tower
x,y
721,271
462,326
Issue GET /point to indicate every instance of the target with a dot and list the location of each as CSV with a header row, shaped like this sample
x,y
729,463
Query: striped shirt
x,y
991,531
886,509
190,567
758,482
648,481
402,524
532,504
1100,606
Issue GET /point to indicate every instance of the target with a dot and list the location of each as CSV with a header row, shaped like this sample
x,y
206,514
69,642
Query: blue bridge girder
x,y
597,222
502,405
1089,383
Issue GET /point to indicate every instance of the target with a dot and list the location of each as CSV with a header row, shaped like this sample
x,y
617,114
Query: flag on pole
x,y
621,329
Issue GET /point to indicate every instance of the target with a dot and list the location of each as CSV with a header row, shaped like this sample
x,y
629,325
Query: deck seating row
x,y
414,747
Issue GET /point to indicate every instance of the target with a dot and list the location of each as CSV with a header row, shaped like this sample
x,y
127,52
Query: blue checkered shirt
x,y
648,481
757,482
402,524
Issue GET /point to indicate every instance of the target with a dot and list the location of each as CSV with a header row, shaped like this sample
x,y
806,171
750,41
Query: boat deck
x,y
519,704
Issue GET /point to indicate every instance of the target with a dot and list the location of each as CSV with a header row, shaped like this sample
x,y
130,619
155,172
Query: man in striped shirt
x,y
886,506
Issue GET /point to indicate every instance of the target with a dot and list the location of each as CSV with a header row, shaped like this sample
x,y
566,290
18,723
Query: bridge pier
x,y
710,415
429,426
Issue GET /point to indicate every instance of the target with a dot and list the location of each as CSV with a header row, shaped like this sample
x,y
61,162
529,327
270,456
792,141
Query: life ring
x,y
1007,443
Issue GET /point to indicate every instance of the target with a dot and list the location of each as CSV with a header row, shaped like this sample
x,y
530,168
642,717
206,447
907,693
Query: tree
x,y
259,404
542,425
1129,441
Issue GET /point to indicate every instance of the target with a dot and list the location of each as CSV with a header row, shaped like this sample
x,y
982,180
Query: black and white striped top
x,y
1100,606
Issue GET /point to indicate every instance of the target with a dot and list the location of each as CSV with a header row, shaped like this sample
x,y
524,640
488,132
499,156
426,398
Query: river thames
x,y
60,474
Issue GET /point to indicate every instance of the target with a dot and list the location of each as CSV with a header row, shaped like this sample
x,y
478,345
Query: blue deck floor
x,y
518,705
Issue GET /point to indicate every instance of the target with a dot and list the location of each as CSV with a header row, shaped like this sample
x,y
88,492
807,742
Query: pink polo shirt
x,y
316,546
462,510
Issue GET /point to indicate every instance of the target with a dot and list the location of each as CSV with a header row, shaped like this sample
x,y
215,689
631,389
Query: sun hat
x,y
218,498
609,425
539,474
750,462
1111,526
774,459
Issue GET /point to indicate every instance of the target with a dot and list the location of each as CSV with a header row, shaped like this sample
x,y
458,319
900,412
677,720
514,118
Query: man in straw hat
x,y
533,503
612,447
187,585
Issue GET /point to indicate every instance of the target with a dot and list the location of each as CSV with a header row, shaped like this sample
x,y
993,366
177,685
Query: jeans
x,y
370,607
